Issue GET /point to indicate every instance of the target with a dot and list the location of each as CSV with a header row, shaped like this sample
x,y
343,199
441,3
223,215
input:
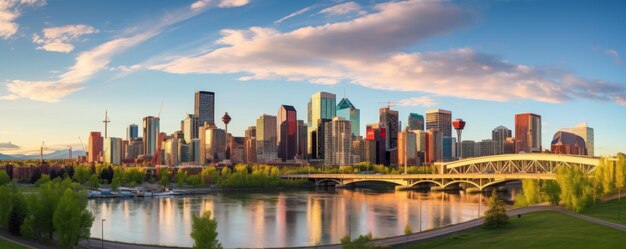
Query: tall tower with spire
x,y
106,122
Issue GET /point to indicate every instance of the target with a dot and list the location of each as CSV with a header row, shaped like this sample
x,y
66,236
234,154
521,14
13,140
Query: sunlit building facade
x,y
204,107
499,136
321,108
346,109
113,150
415,122
528,133
266,139
95,147
439,120
586,133
338,139
151,126
287,132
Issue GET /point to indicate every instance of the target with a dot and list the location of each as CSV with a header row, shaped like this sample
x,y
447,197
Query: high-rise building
x,y
190,127
132,132
171,151
485,147
415,122
301,151
134,149
448,145
204,107
212,144
236,149
358,149
95,147
150,135
586,133
509,146
407,151
338,142
346,109
499,136
468,148
266,138
287,132
390,120
195,151
375,144
434,146
321,108
439,120
528,132
568,143
249,150
113,150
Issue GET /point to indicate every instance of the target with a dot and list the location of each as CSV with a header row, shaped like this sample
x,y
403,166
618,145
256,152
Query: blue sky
x,y
63,63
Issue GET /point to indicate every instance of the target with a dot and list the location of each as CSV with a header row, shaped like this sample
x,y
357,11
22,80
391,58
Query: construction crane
x,y
389,104
81,144
160,108
43,147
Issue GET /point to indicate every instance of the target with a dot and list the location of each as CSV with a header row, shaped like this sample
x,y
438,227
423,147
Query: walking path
x,y
391,241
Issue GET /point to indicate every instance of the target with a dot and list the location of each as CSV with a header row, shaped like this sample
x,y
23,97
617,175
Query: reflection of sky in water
x,y
281,219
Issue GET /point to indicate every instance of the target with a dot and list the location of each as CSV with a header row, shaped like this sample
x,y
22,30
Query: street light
x,y
102,232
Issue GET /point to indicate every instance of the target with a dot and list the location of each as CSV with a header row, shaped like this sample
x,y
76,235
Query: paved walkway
x,y
391,241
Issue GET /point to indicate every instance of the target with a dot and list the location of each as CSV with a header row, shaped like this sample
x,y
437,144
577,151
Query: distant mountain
x,y
59,154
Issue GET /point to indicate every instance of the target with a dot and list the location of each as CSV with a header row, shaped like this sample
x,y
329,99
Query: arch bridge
x,y
480,172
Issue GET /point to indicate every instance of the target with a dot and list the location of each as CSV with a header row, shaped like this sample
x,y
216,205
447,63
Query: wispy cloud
x,y
294,14
8,146
200,4
343,8
90,62
418,101
366,51
58,39
614,54
10,10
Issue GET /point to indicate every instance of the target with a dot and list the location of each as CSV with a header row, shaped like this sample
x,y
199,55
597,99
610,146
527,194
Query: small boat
x,y
94,194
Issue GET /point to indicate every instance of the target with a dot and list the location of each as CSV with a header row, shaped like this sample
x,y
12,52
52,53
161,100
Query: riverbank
x,y
544,229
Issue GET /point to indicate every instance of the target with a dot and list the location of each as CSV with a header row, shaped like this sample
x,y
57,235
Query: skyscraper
x,y
346,109
415,122
439,120
568,143
171,151
434,146
321,106
95,147
407,151
528,132
485,147
249,146
499,136
287,132
586,133
204,107
190,127
113,150
338,142
390,120
266,138
301,151
151,126
375,144
212,144
132,131
468,148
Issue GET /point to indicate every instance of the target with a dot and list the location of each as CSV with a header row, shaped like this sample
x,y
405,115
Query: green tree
x,y
495,216
72,220
82,174
204,232
551,191
94,182
42,180
362,242
180,178
6,205
576,190
4,178
18,213
116,182
407,229
165,177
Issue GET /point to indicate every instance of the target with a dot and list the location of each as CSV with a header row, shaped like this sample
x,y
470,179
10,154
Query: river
x,y
283,219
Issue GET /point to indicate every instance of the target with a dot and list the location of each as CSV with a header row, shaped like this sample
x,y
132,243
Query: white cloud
x,y
294,14
343,8
200,4
368,51
58,39
418,101
8,146
614,54
10,10
87,64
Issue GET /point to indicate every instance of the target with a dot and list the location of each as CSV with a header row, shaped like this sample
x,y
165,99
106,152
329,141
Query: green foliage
x,y
620,171
193,180
6,205
42,180
165,177
362,242
576,190
225,171
180,178
204,232
551,192
72,221
94,182
18,212
82,174
116,183
407,229
4,178
530,196
495,216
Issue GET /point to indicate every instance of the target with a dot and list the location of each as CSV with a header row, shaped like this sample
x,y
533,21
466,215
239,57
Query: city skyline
x,y
131,93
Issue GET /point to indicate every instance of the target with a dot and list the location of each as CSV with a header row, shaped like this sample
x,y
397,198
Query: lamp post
x,y
102,232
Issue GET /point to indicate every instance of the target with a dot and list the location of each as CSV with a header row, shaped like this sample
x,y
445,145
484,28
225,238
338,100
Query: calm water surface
x,y
282,219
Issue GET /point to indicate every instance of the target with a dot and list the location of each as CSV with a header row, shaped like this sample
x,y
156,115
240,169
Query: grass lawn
x,y
608,211
27,188
535,230
9,245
